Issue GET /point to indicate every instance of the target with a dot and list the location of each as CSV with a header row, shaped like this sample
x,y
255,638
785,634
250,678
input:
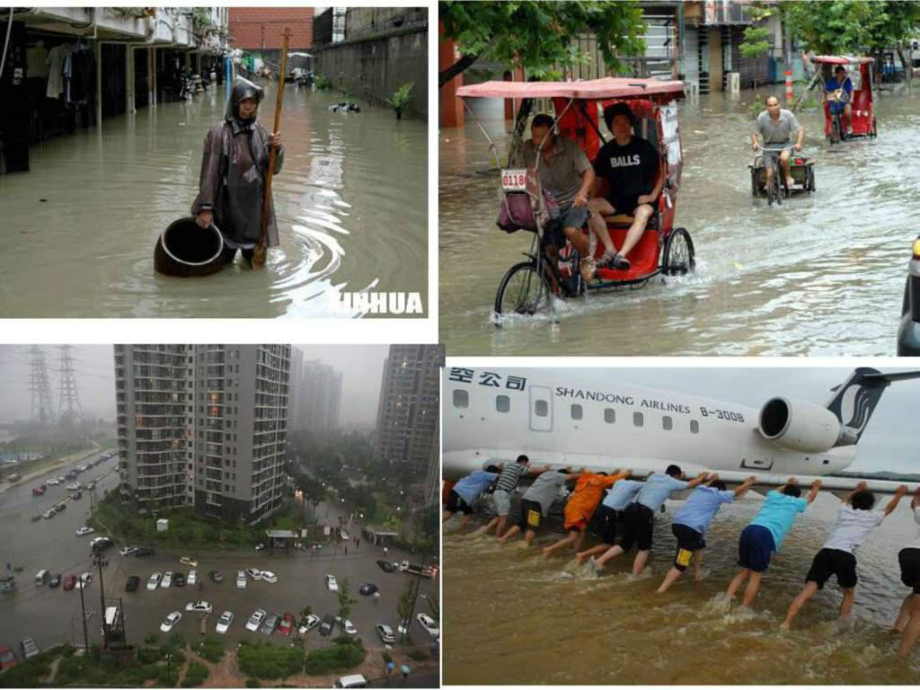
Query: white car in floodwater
x,y
268,576
167,579
171,621
192,578
83,531
154,582
223,623
429,623
241,579
255,620
331,583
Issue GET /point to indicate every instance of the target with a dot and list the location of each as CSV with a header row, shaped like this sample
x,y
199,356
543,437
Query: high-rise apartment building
x,y
408,413
203,426
321,397
295,397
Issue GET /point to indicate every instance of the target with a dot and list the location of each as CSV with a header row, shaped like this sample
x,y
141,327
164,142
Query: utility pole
x,y
105,627
83,611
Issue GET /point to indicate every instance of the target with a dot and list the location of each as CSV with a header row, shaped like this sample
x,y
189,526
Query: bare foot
x,y
785,626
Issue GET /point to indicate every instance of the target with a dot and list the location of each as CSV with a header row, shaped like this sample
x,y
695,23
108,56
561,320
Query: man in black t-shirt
x,y
630,165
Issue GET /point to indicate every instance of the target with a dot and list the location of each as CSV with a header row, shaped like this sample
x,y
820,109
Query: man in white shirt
x,y
855,521
908,622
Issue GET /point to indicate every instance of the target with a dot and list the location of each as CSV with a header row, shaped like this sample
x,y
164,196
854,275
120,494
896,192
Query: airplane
x,y
491,417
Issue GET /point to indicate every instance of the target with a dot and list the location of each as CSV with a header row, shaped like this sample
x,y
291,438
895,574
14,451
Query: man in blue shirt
x,y
838,91
692,521
764,536
610,514
639,517
466,491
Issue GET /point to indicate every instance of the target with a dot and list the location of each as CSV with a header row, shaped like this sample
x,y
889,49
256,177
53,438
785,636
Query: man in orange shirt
x,y
586,496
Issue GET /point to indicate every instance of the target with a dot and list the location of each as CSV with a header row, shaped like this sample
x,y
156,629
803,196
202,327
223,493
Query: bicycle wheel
x,y
835,130
679,255
523,291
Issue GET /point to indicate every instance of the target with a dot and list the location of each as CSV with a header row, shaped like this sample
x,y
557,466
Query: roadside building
x,y
259,33
320,398
203,426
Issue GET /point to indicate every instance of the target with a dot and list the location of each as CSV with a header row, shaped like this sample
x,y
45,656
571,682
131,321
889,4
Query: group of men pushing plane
x,y
615,505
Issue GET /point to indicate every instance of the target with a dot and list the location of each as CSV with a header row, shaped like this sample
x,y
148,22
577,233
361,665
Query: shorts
x,y
626,205
829,562
688,542
569,217
580,524
768,156
606,520
531,515
910,568
502,500
455,503
755,548
638,526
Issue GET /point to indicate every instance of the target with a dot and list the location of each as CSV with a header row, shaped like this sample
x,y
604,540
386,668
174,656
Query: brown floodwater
x,y
351,203
511,617
822,275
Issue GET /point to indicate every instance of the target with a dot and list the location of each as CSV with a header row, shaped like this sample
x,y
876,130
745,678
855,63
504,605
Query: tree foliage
x,y
345,600
840,27
540,36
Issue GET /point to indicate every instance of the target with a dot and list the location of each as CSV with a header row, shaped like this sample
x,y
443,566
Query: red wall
x,y
249,26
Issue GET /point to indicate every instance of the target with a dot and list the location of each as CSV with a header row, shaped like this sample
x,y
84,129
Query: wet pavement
x,y
52,616
351,204
820,275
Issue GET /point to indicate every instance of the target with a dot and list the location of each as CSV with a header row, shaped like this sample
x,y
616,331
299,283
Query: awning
x,y
609,87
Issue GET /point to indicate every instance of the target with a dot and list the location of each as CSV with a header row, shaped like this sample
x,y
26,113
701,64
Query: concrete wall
x,y
262,28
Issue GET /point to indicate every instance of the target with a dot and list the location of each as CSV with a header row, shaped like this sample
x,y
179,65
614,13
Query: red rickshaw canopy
x,y
591,89
842,60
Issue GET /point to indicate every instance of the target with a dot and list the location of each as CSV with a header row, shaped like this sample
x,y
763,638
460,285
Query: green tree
x,y
539,36
405,606
755,42
345,600
838,27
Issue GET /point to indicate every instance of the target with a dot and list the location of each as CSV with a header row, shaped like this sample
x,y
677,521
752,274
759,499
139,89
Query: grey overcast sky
x,y
361,367
886,445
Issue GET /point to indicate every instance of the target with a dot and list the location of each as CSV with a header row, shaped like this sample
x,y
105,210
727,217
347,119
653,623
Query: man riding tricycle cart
x,y
601,209
847,97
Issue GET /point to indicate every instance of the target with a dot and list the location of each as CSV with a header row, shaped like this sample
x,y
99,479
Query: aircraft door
x,y
541,408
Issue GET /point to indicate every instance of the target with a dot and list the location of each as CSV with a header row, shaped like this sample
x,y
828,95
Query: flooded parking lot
x,y
820,275
351,204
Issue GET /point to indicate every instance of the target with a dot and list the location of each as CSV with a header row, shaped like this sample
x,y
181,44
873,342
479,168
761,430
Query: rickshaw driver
x,y
630,165
776,125
566,173
838,92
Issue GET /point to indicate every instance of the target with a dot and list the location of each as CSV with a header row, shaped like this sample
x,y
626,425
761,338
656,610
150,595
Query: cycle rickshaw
x,y
802,170
862,123
527,288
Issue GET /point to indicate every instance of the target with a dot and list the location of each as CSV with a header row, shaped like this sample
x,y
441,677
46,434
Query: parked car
x,y
28,648
270,624
241,579
50,513
254,573
198,607
144,551
84,580
344,536
179,580
154,581
327,626
55,581
100,544
70,582
73,486
191,563
127,550
429,623
354,681
132,583
60,506
7,658
286,624
331,583
309,623
367,589
76,495
83,531
192,578
167,579
255,620
386,566
38,491
171,621
268,576
223,623
385,633
216,576
260,546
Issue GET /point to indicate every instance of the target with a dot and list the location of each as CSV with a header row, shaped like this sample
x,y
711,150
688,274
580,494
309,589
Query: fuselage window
x,y
667,423
461,398
694,426
638,419
541,409
503,403
576,412
610,415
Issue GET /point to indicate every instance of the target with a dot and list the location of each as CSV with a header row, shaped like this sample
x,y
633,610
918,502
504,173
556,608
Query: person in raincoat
x,y
234,166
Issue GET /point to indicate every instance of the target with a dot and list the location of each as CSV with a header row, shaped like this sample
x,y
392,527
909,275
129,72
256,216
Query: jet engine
x,y
800,426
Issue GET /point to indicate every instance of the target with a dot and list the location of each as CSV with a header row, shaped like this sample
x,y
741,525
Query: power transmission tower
x,y
42,405
69,409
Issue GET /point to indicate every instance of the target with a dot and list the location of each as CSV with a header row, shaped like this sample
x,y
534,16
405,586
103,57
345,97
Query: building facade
x,y
321,399
408,413
203,426
295,399
260,30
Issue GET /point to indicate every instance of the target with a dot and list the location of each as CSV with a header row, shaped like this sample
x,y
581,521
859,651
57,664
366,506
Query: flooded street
x,y
351,204
822,275
53,615
513,618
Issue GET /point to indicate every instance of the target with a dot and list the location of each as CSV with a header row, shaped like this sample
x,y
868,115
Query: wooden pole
x,y
258,256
